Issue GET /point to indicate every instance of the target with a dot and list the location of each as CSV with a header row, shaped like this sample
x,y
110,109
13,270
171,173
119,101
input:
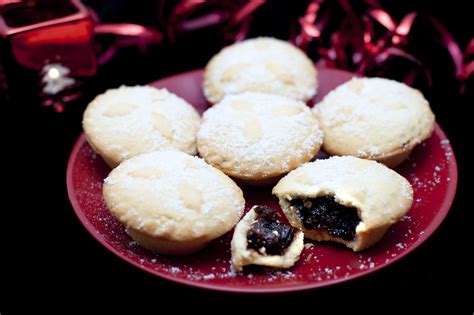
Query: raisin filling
x,y
327,214
267,234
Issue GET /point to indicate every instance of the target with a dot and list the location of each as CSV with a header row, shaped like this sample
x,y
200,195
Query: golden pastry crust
x,y
257,137
172,202
264,65
243,256
374,118
128,121
380,195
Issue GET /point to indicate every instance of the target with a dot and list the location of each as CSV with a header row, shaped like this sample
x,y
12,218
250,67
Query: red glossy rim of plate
x,y
435,223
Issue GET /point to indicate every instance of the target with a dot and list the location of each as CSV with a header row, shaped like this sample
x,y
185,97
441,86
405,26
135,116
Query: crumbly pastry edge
x,y
167,246
260,178
391,158
243,256
366,234
109,160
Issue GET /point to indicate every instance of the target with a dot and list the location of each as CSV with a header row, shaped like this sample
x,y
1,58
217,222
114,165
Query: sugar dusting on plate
x,y
428,170
315,260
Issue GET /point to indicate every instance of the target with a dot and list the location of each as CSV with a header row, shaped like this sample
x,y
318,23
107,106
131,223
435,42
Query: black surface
x,y
48,257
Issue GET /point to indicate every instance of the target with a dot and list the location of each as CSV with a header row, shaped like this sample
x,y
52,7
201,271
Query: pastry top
x,y
258,136
128,121
380,195
261,64
373,118
173,195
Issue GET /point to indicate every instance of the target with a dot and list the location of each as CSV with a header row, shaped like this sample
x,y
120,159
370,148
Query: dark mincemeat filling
x,y
327,214
267,234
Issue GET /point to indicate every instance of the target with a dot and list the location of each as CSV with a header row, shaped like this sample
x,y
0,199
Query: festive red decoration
x,y
126,35
45,45
52,44
467,71
232,17
355,45
48,48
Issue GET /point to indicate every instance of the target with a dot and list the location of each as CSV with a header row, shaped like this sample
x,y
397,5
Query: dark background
x,y
48,258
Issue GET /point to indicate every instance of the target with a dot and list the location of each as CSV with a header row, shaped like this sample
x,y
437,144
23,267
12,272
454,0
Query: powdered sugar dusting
x,y
155,178
288,132
448,152
128,121
370,117
261,65
433,176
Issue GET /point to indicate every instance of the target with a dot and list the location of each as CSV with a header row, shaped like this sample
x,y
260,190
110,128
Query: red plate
x,y
431,169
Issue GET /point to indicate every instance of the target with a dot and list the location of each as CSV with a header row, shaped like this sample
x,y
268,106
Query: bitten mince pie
x,y
374,118
264,65
257,137
344,199
171,202
261,239
129,121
